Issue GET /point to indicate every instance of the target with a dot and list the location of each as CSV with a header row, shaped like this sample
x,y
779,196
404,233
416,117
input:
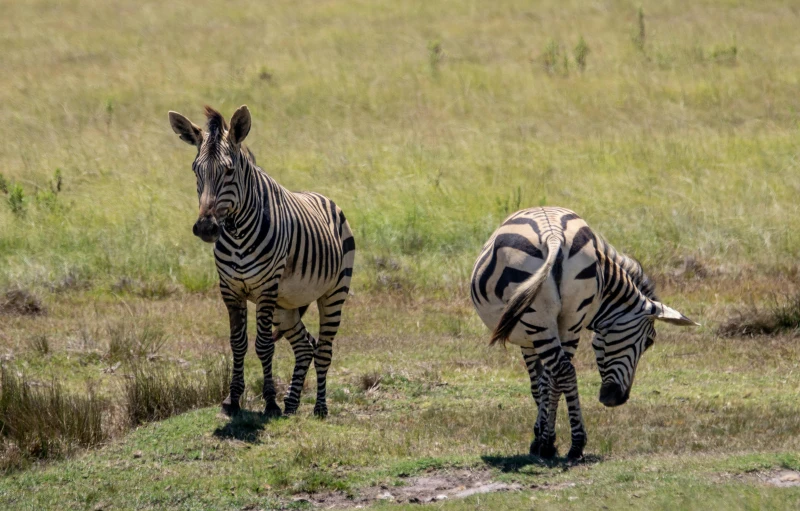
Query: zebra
x,y
542,278
281,250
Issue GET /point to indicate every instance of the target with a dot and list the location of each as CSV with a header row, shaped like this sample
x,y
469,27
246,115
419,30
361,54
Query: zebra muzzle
x,y
611,394
206,228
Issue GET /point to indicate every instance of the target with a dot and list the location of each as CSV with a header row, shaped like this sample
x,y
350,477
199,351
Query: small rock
x,y
439,497
112,369
790,477
386,496
137,454
573,498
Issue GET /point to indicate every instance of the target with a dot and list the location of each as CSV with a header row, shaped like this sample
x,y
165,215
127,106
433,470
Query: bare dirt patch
x,y
780,478
433,487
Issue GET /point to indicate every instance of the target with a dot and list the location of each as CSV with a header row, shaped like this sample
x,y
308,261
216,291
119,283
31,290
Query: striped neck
x,y
258,196
626,288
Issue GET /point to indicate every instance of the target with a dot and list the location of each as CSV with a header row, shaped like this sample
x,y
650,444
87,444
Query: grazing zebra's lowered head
x,y
624,325
218,167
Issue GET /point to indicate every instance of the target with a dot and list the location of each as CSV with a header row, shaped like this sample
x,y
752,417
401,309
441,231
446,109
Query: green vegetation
x,y
428,123
666,155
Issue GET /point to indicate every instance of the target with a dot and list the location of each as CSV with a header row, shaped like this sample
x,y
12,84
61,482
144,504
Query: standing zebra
x,y
278,249
542,278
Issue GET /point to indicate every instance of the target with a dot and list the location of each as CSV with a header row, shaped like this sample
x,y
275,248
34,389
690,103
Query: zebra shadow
x,y
520,461
246,426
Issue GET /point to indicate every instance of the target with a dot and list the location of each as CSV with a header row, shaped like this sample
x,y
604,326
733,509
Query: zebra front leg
x,y
265,349
237,312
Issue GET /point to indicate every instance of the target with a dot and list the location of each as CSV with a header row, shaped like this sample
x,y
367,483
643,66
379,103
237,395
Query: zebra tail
x,y
525,294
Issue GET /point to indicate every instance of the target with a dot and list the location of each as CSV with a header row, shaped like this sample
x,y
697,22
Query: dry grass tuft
x,y
45,422
370,381
155,393
132,340
780,316
40,344
21,302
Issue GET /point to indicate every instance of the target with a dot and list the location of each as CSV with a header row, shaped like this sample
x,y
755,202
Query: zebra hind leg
x,y
534,366
330,312
544,441
303,345
570,389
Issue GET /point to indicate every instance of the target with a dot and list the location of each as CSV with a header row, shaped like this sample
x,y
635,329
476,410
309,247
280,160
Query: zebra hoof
x,y
321,411
272,410
290,410
229,408
575,455
535,445
547,451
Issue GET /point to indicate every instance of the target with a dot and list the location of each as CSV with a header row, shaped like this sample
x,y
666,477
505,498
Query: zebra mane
x,y
216,122
216,128
633,268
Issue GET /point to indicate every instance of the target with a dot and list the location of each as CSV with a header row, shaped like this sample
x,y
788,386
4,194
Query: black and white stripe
x,y
278,249
542,278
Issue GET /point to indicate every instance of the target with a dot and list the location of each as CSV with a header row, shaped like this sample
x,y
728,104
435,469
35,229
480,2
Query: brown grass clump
x,y
154,393
21,302
133,340
45,422
370,381
780,316
39,344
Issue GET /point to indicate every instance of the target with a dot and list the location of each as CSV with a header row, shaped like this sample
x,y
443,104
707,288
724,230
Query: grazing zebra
x,y
542,278
278,249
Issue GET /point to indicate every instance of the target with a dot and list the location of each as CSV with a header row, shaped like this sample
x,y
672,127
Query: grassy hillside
x,y
674,133
427,121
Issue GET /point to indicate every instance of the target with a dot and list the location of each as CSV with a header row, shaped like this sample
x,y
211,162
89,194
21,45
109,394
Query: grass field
x,y
675,135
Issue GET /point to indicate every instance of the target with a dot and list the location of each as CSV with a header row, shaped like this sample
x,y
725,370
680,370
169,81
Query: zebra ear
x,y
670,315
186,129
240,126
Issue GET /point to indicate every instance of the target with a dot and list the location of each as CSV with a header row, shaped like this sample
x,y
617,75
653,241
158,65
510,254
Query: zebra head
x,y
217,166
619,346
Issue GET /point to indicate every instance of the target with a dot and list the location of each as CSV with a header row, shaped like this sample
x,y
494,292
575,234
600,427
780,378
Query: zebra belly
x,y
295,291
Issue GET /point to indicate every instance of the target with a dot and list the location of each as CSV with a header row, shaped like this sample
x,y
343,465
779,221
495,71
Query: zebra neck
x,y
261,198
625,286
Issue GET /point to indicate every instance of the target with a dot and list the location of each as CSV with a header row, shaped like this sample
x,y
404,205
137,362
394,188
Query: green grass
x,y
675,134
666,151
410,394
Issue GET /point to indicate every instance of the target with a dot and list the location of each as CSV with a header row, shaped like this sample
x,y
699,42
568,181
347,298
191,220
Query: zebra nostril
x,y
195,230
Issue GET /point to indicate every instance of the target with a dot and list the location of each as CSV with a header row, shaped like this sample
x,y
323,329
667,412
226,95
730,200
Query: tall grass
x,y
45,421
154,392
